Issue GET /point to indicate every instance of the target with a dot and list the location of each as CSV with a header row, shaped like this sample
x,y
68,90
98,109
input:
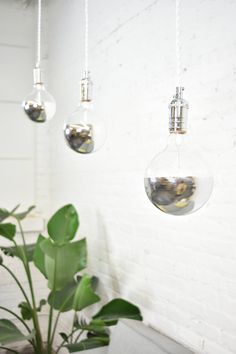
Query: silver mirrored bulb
x,y
39,105
178,181
84,130
80,137
35,111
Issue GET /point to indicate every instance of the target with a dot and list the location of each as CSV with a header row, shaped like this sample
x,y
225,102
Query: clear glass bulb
x,y
39,105
178,181
84,130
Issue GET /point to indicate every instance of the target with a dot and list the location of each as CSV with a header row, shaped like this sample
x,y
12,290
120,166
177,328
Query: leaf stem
x,y
18,317
58,316
55,327
64,341
50,329
10,350
49,339
18,283
39,340
73,324
22,233
79,335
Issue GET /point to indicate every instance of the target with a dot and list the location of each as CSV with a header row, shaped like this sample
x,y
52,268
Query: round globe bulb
x,y
178,181
39,105
84,132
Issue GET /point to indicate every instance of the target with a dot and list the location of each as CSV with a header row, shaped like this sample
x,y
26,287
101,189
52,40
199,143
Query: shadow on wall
x,y
104,260
112,271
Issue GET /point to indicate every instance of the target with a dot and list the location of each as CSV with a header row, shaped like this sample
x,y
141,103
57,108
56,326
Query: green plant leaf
x,y
63,225
25,310
4,214
84,294
41,304
18,252
89,343
8,231
79,322
67,259
96,327
10,333
21,216
94,282
62,300
64,336
38,256
116,309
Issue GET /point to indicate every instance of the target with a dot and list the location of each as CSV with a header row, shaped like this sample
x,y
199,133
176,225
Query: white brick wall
x,y
181,271
24,150
24,147
17,134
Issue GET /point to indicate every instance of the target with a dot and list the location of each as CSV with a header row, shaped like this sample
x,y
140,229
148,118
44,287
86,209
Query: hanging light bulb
x,y
178,181
39,105
84,130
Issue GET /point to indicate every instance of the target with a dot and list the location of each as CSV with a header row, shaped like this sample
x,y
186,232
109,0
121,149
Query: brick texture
x,y
180,270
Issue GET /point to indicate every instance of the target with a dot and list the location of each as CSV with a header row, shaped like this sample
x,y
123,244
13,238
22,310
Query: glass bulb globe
x,y
83,131
39,105
178,181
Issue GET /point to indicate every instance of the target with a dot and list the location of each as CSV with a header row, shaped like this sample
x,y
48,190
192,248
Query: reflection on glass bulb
x,y
39,105
177,181
84,131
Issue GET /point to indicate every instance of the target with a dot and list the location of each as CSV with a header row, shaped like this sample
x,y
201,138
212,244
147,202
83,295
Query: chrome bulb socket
x,y
178,115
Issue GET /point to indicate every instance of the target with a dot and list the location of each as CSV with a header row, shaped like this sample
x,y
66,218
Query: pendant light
x,y
39,105
177,180
84,130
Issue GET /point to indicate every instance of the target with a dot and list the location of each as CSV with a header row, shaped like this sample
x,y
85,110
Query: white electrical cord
x,y
178,46
86,36
39,29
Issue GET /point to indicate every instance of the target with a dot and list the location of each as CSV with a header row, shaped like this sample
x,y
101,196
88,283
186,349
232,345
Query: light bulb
x,y
39,105
84,131
178,181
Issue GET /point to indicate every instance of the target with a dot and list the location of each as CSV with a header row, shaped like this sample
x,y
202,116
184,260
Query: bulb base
x,y
37,74
86,88
178,113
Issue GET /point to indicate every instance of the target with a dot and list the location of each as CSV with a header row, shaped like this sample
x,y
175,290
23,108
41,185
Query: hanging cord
x,y
39,30
177,43
86,36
